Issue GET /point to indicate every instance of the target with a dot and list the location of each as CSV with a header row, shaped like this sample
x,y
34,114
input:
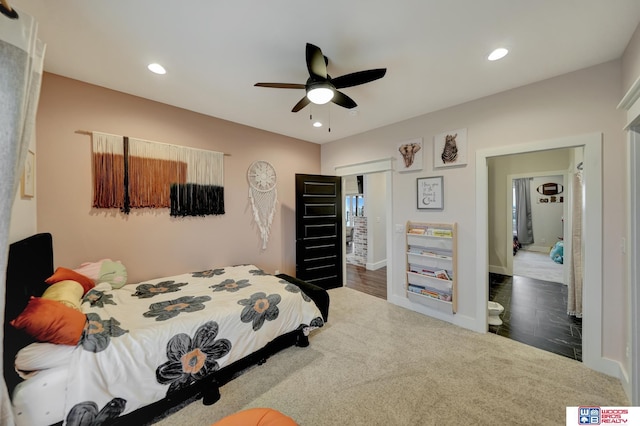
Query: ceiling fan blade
x,y
301,104
316,62
357,78
343,100
281,85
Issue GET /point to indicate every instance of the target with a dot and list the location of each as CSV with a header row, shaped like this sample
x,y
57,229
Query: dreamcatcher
x,y
263,196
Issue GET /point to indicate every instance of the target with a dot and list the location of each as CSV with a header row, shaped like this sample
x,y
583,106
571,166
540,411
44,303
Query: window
x,y
354,206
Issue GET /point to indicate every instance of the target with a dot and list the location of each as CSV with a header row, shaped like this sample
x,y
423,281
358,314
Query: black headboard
x,y
30,263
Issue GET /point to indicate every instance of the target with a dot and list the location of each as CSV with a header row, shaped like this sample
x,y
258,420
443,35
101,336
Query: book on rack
x,y
441,254
442,274
439,232
430,292
416,231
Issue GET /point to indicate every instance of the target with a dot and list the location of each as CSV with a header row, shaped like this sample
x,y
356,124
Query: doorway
x,y
529,285
592,323
383,168
545,254
365,233
319,230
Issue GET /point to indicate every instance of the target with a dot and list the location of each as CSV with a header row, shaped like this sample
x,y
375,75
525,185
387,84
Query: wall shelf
x,y
431,265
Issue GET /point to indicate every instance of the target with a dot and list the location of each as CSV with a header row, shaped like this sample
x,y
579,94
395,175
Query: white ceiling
x,y
434,51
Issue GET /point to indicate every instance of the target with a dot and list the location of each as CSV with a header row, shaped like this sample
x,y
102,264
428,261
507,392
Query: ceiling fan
x,y
320,87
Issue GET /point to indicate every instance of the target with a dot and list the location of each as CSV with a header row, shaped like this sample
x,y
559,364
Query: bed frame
x,y
31,262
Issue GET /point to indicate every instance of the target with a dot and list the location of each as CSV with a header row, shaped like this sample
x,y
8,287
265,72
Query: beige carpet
x,y
378,364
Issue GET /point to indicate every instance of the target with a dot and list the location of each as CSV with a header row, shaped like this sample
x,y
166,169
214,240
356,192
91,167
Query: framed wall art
x,y
430,193
450,149
409,155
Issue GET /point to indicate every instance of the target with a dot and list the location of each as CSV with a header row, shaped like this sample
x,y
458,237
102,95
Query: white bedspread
x,y
149,339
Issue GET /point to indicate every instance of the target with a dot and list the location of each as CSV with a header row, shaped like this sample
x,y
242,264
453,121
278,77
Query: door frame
x,y
384,165
592,291
633,348
631,104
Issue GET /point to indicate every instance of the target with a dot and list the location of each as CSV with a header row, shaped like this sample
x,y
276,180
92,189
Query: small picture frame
x,y
28,180
430,193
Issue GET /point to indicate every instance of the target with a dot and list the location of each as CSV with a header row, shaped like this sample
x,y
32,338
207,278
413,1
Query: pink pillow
x,y
51,321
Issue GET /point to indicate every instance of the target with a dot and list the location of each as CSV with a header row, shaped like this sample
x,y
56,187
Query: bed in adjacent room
x,y
92,350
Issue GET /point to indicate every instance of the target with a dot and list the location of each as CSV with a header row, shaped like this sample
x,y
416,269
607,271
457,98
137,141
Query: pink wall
x,y
150,243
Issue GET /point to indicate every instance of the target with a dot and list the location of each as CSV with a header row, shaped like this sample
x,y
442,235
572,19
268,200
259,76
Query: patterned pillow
x,y
105,271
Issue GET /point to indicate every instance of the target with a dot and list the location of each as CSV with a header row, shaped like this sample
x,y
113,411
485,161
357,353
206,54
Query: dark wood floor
x,y
370,282
535,313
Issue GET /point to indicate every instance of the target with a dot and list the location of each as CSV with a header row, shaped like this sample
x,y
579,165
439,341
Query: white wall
x,y
375,210
351,185
577,103
546,217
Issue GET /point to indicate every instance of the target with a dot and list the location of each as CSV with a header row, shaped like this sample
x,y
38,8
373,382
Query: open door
x,y
319,230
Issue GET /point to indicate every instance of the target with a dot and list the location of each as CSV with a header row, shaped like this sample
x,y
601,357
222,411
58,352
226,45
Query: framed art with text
x,y
430,193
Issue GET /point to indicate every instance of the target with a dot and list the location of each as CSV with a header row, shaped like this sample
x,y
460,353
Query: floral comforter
x,y
145,341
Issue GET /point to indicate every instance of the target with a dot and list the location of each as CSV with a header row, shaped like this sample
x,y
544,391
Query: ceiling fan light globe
x,y
320,95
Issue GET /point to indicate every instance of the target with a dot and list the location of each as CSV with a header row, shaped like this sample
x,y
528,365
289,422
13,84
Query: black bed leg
x,y
302,340
211,394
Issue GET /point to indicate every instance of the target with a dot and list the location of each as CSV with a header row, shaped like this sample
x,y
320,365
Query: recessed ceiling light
x,y
317,124
499,53
157,68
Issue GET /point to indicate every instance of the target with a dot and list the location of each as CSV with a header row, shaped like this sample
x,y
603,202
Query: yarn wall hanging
x,y
134,173
263,195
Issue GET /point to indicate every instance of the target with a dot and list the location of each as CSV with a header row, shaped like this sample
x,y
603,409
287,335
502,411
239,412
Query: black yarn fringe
x,y
126,204
191,199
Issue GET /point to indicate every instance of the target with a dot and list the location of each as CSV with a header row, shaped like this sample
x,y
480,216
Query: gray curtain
x,y
524,225
574,288
21,57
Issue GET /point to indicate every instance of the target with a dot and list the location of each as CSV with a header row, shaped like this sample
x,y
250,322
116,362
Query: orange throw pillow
x,y
257,417
62,274
51,321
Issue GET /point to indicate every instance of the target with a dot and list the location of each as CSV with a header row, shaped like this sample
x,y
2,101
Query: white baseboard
x,y
376,265
498,270
457,319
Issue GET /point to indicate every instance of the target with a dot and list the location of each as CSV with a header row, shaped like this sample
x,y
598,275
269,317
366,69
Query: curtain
x,y
574,288
21,56
524,224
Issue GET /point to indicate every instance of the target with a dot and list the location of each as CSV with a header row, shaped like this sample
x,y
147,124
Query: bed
x,y
144,348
